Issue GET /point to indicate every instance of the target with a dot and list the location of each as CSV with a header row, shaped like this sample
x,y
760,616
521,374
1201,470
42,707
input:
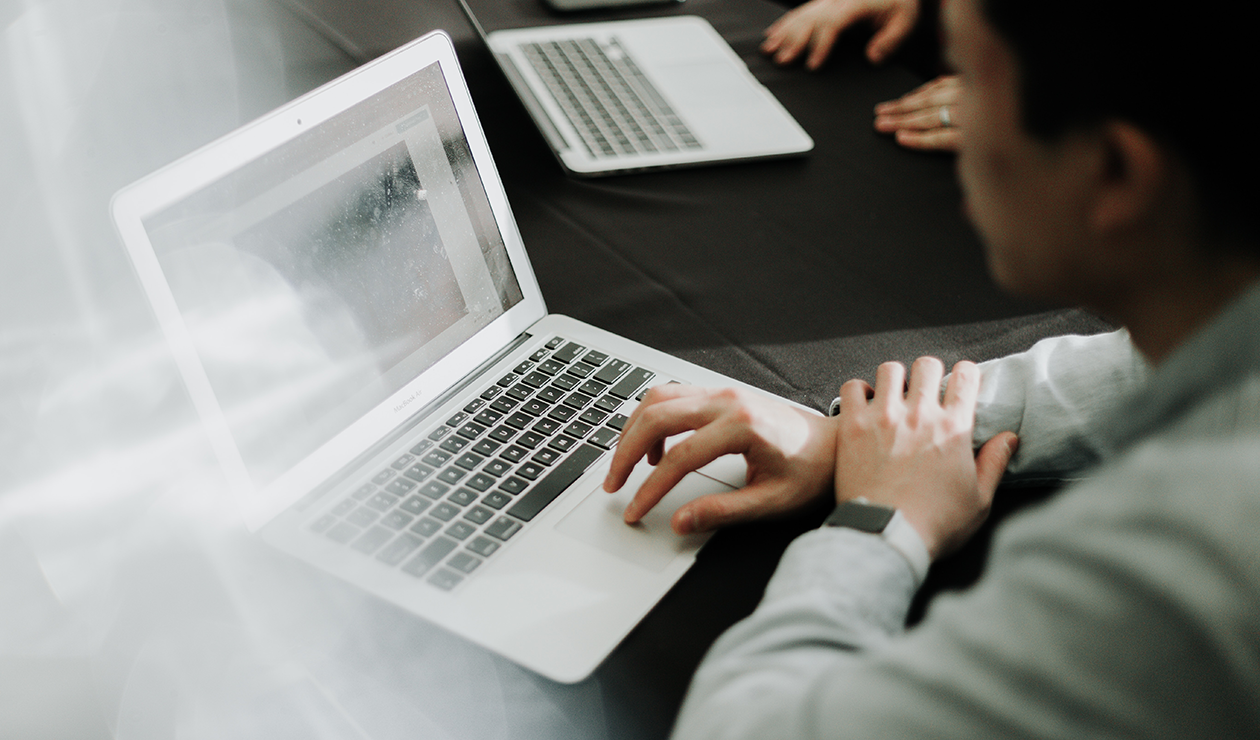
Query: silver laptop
x,y
347,297
622,96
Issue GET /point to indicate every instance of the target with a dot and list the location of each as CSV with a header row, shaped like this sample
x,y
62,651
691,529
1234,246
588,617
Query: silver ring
x,y
945,122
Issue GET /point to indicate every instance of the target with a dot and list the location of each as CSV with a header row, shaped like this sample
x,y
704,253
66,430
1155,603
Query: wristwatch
x,y
888,523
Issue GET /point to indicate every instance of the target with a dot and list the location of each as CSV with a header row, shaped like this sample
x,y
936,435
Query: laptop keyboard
x,y
465,488
614,108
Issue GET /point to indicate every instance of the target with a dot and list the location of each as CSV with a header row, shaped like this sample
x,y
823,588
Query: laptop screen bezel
x,y
133,204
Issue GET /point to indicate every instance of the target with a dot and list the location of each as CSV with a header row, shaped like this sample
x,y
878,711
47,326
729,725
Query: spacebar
x,y
546,490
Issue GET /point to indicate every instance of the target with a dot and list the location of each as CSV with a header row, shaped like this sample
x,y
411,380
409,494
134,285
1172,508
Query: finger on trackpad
x,y
598,521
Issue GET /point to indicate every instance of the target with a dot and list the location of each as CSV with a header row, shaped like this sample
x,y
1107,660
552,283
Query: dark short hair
x,y
1180,72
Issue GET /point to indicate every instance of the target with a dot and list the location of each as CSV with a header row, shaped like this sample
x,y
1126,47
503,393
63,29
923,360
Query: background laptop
x,y
348,300
621,96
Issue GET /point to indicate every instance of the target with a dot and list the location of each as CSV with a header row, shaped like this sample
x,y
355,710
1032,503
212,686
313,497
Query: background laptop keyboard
x,y
606,97
465,488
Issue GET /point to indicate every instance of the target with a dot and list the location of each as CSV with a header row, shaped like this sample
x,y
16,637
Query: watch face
x,y
863,517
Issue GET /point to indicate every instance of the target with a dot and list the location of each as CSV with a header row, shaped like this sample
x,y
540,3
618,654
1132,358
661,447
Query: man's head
x,y
1092,141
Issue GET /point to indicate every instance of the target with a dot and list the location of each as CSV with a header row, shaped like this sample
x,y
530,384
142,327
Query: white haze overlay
x,y
133,603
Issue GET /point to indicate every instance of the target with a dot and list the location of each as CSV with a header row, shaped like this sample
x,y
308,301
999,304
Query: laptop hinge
x,y
405,428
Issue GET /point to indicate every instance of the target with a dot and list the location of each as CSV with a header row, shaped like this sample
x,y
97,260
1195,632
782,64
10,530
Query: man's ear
x,y
1134,179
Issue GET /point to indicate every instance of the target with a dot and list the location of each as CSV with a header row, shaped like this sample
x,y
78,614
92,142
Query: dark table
x,y
792,275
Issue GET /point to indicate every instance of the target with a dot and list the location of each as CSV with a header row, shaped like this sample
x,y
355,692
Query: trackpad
x,y
598,522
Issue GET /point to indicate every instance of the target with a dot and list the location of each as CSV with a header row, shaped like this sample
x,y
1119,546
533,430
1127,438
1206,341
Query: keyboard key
x,y
426,527
507,380
514,485
581,370
613,370
577,400
523,368
562,413
396,551
469,460
430,556
594,417
546,427
414,505
535,407
363,491
483,546
504,405
531,470
502,433
382,501
401,462
538,355
496,500
362,517
550,394
480,482
568,353
618,421
434,490
496,468
420,447
400,486
463,497
437,458
474,405
608,403
382,477
565,382
372,540
397,519
478,514
343,532
464,562
546,456
513,453
536,379
520,391
454,445
604,437
486,447
531,440
418,472
471,430
595,357
555,342
578,429
345,507
489,393
451,475
520,420
551,367
444,511
457,419
561,477
460,530
503,528
562,443
592,387
439,433
445,579
488,417
632,382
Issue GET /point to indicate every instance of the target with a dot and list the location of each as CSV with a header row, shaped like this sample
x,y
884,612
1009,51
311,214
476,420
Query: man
x,y
1129,606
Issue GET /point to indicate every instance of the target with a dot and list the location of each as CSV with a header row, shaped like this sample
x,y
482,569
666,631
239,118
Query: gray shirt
x,y
1128,606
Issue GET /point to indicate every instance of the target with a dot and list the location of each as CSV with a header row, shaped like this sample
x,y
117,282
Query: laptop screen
x,y
322,277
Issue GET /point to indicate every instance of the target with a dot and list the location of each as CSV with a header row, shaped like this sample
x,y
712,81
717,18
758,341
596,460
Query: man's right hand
x,y
817,24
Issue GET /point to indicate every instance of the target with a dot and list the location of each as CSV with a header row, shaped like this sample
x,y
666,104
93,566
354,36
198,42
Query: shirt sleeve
x,y
1122,609
1049,395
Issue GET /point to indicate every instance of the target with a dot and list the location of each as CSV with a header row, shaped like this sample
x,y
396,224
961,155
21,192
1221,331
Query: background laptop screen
x,y
322,277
